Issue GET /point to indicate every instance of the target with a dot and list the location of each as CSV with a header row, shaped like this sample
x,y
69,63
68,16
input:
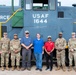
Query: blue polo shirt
x,y
26,41
38,44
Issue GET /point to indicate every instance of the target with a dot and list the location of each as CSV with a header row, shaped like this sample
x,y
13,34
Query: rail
x,y
7,21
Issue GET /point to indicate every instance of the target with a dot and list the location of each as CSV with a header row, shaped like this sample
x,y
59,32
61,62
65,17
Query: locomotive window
x,y
4,29
60,14
52,4
40,4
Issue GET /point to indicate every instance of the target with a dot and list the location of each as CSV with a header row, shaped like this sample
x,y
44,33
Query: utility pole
x,y
12,6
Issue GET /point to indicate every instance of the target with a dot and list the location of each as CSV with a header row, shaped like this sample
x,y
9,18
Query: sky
x,y
67,2
63,2
8,2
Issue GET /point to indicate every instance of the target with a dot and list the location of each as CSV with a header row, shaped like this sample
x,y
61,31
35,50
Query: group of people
x,y
60,45
14,46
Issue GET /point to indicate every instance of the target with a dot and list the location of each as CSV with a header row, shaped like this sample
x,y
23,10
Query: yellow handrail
x,y
8,20
11,15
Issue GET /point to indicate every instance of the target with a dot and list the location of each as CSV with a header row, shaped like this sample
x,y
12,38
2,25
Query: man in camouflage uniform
x,y
0,46
60,45
15,48
5,47
72,51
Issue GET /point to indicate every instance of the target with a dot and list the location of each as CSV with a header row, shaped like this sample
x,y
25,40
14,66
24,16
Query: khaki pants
x,y
4,59
61,58
13,57
71,56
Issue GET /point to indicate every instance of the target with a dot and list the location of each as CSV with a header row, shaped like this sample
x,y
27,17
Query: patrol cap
x,y
73,33
26,31
60,33
49,36
15,34
5,33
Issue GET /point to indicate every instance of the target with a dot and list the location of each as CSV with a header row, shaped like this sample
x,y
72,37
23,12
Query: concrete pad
x,y
34,72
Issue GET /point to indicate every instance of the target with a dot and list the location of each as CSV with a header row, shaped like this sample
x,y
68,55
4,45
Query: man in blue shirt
x,y
26,43
38,48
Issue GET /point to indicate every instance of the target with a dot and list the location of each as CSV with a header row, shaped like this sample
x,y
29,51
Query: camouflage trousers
x,y
71,56
4,59
15,57
60,58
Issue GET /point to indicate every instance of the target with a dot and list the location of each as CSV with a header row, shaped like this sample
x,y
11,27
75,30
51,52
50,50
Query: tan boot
x,y
58,68
2,68
13,68
29,68
7,68
75,69
18,68
64,68
70,68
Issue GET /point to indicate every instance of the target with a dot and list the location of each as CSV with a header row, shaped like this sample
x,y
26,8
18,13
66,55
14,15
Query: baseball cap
x,y
73,33
15,34
49,36
5,33
60,33
26,31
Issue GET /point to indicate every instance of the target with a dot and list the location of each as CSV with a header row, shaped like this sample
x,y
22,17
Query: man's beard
x,y
60,36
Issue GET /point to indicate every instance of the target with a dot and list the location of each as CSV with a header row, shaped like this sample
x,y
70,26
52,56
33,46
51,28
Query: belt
x,y
60,50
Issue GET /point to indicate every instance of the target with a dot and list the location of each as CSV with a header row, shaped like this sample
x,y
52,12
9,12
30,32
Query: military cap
x,y
49,36
73,33
5,33
15,34
26,31
60,33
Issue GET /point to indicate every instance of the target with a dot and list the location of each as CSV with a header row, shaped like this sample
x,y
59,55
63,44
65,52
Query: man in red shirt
x,y
49,47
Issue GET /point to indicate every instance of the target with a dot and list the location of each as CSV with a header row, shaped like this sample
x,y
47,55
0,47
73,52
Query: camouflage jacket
x,y
72,43
0,45
15,45
5,44
60,43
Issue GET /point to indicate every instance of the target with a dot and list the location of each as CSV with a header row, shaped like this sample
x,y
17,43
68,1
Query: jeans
x,y
49,57
38,57
26,62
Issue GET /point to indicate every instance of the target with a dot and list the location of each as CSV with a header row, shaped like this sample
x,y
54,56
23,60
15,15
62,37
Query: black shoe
x,y
40,69
29,69
50,69
37,69
46,68
22,69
